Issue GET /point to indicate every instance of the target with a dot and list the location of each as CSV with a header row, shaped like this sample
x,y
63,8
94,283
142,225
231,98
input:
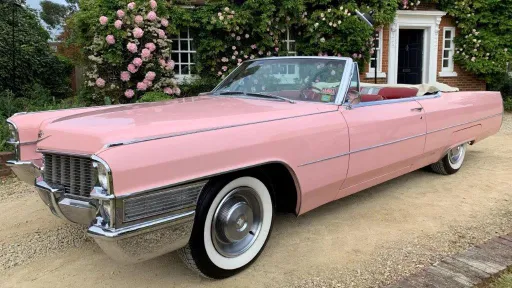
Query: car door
x,y
386,138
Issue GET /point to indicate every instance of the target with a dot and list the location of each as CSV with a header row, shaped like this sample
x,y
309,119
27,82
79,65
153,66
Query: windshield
x,y
302,79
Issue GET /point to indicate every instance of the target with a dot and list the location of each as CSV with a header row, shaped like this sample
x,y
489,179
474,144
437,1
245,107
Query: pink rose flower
x,y
129,93
239,60
132,47
137,62
277,49
161,33
162,62
219,73
131,5
354,55
138,19
137,32
253,46
120,13
118,24
142,86
100,82
110,39
151,16
125,76
147,82
164,22
224,68
153,4
168,90
150,75
132,68
176,91
151,46
103,20
145,54
170,65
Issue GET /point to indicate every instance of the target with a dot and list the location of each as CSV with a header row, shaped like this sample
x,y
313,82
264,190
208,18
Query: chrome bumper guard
x,y
146,240
130,244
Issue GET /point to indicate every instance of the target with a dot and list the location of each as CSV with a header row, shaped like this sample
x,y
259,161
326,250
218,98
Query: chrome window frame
x,y
344,81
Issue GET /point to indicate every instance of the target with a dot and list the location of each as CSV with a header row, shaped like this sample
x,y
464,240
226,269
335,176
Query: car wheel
x,y
452,162
233,222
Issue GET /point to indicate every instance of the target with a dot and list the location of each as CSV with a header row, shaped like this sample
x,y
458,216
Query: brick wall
x,y
385,58
464,80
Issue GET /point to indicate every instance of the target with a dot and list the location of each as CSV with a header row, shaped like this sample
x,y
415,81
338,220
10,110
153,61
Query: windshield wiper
x,y
257,95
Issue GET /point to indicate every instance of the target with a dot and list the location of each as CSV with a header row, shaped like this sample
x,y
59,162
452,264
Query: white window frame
x,y
448,71
176,42
286,76
371,71
288,39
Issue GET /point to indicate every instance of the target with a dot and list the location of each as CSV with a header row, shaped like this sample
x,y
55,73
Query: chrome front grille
x,y
72,174
161,201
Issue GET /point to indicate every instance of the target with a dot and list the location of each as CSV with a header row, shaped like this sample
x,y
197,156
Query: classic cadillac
x,y
205,175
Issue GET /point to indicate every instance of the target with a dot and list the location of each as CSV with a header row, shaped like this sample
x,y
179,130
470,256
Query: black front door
x,y
410,56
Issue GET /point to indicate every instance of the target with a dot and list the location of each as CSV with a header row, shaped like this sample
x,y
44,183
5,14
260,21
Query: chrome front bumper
x,y
129,244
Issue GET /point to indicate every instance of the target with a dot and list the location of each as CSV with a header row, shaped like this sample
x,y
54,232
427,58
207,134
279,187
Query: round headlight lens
x,y
102,173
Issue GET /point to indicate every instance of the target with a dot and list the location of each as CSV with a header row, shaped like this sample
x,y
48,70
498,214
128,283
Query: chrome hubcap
x,y
455,154
237,222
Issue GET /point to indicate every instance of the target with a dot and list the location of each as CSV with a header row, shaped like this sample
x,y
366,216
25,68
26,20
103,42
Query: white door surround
x,y
416,19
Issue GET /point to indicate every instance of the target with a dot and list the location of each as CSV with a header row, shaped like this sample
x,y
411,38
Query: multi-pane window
x,y
183,53
377,45
289,43
448,49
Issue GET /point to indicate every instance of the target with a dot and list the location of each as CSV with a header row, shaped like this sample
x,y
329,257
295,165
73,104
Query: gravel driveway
x,y
365,240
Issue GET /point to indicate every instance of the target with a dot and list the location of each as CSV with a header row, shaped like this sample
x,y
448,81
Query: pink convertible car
x,y
205,175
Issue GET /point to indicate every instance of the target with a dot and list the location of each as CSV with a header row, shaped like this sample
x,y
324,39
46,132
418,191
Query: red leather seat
x,y
371,97
397,92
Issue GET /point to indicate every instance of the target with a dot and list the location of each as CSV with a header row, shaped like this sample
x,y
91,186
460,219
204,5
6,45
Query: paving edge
x,y
474,267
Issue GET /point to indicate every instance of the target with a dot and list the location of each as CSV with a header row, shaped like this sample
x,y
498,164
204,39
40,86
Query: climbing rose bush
x,y
130,53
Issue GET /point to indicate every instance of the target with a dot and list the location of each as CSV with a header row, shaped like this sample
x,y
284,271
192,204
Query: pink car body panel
x,y
331,151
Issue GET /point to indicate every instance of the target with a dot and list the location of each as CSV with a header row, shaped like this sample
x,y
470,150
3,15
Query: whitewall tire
x,y
234,218
452,161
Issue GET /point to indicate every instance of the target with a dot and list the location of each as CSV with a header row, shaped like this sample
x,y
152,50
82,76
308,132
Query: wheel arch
x,y
285,185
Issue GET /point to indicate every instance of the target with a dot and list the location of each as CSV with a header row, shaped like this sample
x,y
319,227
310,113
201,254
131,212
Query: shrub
x,y
127,48
154,97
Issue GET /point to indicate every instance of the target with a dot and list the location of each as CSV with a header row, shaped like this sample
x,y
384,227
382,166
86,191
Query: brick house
x,y
418,48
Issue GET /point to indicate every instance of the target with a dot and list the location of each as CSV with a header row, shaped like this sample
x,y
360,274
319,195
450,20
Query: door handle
x,y
417,109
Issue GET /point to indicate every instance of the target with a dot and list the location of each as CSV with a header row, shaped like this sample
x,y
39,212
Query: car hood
x,y
91,131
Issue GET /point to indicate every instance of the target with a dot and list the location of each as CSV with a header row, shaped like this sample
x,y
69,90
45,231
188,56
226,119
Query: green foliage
x,y
27,60
228,32
154,97
54,14
193,88
121,66
484,44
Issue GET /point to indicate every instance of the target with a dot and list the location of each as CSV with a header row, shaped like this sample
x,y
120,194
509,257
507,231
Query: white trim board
x,y
416,19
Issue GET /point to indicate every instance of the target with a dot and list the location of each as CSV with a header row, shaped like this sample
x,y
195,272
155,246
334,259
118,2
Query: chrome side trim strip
x,y
395,141
134,141
392,101
469,122
363,149
191,181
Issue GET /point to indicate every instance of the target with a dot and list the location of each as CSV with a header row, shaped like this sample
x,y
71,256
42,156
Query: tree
x,y
55,14
27,60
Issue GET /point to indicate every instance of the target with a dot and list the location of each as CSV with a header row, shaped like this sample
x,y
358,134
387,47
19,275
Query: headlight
x,y
102,175
14,132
